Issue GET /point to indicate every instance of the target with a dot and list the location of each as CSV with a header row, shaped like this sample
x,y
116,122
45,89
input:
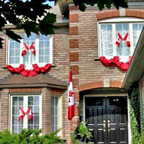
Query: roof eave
x,y
63,87
136,68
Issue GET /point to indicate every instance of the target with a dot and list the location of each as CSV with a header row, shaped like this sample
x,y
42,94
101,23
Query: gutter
x,y
136,68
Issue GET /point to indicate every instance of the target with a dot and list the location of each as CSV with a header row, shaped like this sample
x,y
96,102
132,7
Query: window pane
x,y
122,30
14,52
137,28
29,58
16,104
44,49
54,113
33,101
106,40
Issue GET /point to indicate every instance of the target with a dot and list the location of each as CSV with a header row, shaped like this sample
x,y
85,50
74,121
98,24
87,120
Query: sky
x,y
48,2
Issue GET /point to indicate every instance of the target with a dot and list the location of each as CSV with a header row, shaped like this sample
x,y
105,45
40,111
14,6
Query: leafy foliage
x,y
135,114
29,137
100,3
34,16
81,135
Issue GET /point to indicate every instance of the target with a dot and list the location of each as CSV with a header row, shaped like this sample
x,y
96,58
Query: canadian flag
x,y
26,48
29,113
21,114
70,98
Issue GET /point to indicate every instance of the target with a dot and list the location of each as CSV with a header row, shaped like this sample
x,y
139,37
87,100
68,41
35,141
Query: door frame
x,y
112,95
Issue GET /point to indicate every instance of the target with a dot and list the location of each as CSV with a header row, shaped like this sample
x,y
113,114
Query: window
x,y
25,102
54,113
43,48
112,31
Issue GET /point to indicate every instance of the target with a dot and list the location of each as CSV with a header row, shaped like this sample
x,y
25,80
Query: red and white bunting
x,y
21,114
70,98
29,113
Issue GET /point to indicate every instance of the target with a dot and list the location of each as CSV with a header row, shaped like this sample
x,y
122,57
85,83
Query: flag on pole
x,y
70,97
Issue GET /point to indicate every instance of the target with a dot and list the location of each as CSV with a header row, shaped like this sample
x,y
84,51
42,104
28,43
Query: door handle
x,y
108,125
104,125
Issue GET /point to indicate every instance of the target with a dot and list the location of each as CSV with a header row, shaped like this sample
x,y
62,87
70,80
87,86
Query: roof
x,y
40,80
136,69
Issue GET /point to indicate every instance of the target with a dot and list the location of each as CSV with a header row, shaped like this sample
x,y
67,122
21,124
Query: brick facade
x,y
77,50
46,110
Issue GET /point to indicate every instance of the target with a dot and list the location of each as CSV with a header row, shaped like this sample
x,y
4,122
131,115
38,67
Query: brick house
x,y
98,46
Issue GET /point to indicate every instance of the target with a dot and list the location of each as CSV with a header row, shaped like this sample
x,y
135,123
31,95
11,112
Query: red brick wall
x,y
78,49
46,110
4,109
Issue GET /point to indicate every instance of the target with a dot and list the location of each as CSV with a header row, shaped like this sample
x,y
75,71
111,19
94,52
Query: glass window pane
x,y
29,58
33,101
17,102
106,40
122,30
44,49
137,28
54,113
14,52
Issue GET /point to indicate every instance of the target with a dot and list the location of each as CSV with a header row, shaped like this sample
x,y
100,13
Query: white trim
x,y
40,112
121,19
129,122
51,49
112,95
59,112
99,40
131,37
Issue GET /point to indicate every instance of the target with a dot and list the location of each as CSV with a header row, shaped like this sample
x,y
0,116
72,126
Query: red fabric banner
x,y
115,60
29,73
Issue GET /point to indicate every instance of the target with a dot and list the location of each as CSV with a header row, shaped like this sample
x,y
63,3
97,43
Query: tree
x,y
34,15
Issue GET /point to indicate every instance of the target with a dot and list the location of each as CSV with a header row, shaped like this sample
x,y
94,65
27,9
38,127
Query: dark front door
x,y
106,118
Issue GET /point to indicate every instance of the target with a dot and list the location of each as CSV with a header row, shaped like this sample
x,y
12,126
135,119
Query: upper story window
x,y
123,32
118,38
38,50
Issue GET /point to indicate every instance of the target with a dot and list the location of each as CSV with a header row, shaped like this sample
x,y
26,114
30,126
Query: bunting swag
x,y
29,73
70,98
22,114
115,60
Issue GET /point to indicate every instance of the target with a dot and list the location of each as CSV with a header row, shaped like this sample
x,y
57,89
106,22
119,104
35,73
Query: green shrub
x,y
81,135
29,137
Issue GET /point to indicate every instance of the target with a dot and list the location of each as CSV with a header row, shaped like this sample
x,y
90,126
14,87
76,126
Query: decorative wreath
x,y
29,73
123,65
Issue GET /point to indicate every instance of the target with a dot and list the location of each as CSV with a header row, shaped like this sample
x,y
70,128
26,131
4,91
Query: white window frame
x,y
37,52
25,104
59,112
114,21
